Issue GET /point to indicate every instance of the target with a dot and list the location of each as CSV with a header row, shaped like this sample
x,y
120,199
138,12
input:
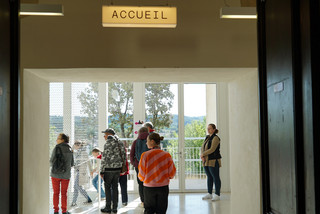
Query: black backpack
x,y
59,163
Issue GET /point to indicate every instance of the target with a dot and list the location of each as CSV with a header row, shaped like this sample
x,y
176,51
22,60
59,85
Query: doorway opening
x,y
236,89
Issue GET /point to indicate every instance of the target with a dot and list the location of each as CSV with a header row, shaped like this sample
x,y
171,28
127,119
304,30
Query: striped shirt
x,y
156,168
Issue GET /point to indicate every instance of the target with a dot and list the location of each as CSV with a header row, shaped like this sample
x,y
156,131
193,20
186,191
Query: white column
x,y
211,104
138,114
102,112
223,127
138,106
181,135
68,124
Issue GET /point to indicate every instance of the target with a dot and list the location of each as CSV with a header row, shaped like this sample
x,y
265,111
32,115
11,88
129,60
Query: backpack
x,y
59,163
141,147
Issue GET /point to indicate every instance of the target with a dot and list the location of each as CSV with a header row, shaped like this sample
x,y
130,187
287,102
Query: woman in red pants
x,y
61,162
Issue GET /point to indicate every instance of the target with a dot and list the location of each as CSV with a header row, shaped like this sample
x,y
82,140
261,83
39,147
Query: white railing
x,y
193,163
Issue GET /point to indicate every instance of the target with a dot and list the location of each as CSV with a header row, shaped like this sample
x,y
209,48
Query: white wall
x,y
223,127
244,145
35,144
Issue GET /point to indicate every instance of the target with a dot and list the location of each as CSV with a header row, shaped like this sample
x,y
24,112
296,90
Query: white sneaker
x,y
215,197
207,196
141,205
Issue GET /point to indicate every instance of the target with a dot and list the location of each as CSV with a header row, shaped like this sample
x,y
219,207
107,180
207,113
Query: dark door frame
x,y
305,34
14,106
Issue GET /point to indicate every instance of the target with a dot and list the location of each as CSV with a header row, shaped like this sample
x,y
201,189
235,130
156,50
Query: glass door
x,y
161,108
199,110
180,113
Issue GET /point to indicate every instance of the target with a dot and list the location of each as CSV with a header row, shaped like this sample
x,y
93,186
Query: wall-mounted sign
x,y
127,16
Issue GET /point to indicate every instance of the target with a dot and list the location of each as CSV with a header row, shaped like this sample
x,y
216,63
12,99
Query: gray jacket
x,y
111,159
68,155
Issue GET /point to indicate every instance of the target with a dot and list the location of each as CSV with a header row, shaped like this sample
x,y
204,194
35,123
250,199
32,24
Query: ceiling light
x,y
41,9
238,13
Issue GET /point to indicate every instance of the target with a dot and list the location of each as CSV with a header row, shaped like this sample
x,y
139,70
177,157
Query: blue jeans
x,y
95,183
213,176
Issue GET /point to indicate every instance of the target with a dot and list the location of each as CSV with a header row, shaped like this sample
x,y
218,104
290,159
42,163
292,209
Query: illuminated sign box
x,y
127,16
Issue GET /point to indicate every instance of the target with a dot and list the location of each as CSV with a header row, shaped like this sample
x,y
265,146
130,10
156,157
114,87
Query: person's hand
x,y
203,159
91,173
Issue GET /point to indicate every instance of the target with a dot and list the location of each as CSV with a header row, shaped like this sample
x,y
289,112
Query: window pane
x,y
120,118
162,110
85,113
195,131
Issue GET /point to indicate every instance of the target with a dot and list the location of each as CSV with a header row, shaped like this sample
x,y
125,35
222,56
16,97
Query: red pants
x,y
56,192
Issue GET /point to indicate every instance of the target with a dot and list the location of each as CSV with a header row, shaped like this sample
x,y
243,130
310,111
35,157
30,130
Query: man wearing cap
x,y
111,163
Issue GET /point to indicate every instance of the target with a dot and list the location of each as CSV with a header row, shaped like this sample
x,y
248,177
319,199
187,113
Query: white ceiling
x,y
174,75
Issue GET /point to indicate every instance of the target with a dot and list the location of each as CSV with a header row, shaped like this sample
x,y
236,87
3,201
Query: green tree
x,y
159,101
196,128
89,103
120,106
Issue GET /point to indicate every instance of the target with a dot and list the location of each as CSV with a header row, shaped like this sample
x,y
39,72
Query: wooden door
x,y
9,106
289,94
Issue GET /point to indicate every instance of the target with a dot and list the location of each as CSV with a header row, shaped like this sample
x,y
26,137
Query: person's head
x,y
108,132
154,140
143,130
149,125
95,152
62,138
77,144
212,129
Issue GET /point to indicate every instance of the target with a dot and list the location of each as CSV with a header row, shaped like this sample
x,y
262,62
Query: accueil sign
x,y
127,16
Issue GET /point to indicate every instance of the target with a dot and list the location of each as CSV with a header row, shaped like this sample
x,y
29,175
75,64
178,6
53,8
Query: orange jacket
x,y
156,168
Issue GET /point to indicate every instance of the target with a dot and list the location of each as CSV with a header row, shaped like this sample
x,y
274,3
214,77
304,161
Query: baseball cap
x,y
110,131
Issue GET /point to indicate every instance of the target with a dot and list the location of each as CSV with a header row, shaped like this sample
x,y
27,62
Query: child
x,y
82,163
156,168
96,152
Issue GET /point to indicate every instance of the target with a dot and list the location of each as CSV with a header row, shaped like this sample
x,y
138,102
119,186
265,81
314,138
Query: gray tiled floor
x,y
187,203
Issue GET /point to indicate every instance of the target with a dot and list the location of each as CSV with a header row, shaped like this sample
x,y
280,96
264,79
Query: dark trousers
x,y
123,180
111,179
156,199
213,176
140,183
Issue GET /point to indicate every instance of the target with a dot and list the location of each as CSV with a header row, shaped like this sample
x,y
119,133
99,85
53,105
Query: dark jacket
x,y
216,154
69,161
